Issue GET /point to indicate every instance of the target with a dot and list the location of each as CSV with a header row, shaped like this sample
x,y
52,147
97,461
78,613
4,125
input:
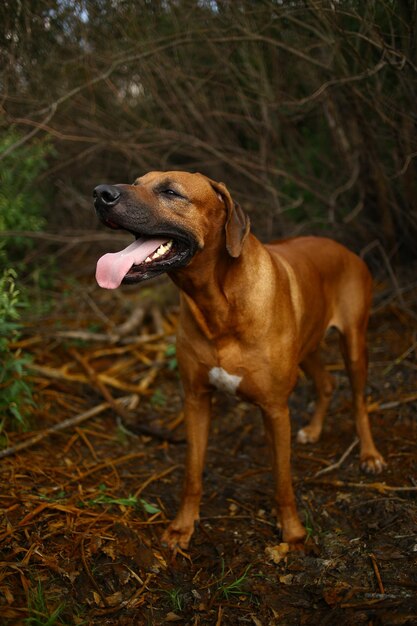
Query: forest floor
x,y
82,510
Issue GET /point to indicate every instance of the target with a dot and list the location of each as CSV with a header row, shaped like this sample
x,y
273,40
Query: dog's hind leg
x,y
323,383
353,347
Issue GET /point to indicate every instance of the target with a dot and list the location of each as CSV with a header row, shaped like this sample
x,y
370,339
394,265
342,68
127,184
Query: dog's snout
x,y
106,196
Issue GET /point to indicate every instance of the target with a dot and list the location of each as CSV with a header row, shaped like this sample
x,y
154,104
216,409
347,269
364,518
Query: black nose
x,y
106,196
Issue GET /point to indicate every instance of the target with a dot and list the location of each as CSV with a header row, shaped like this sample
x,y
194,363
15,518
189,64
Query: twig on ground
x,y
71,421
377,574
339,462
380,487
100,466
91,302
400,358
219,616
134,320
392,404
155,477
118,408
90,575
112,337
98,382
61,374
157,319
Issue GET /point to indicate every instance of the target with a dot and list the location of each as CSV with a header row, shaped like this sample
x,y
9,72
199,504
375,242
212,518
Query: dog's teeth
x,y
163,248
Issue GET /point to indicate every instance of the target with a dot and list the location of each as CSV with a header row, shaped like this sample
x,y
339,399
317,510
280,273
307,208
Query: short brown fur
x,y
259,312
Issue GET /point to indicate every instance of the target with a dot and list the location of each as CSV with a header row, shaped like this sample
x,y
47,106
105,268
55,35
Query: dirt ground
x,y
82,511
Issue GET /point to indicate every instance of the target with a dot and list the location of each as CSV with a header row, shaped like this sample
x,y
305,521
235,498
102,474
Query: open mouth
x,y
146,257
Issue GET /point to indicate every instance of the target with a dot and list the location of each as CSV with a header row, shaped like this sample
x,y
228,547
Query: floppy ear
x,y
237,222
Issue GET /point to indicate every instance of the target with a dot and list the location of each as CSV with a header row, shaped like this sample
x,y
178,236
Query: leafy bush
x,y
15,396
22,205
21,202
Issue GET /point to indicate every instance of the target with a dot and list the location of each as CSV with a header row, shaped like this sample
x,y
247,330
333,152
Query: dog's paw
x,y
175,537
307,435
293,532
372,463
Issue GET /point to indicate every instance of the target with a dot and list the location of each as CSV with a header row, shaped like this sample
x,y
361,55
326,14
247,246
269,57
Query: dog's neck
x,y
211,278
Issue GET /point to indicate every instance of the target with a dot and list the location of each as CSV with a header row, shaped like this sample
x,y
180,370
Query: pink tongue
x,y
113,266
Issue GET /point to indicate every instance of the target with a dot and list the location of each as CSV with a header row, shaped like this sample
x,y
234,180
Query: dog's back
x,y
344,279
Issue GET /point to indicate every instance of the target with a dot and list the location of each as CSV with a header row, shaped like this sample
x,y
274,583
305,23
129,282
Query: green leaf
x,y
149,508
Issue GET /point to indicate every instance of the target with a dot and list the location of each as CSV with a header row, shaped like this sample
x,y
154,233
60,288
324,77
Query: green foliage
x,y
22,203
234,588
171,354
148,507
177,599
103,498
158,398
60,495
15,397
131,500
309,525
39,614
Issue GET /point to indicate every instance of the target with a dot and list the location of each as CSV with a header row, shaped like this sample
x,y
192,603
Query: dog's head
x,y
173,216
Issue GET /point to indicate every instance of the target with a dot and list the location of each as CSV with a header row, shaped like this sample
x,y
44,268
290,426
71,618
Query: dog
x,y
250,316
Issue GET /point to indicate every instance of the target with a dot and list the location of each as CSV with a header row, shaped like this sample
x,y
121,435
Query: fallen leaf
x,y
277,553
173,617
114,599
97,598
233,509
287,579
110,550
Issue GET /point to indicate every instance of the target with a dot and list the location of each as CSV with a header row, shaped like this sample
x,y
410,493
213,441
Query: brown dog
x,y
251,314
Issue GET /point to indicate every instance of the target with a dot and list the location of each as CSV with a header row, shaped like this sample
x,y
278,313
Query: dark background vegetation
x,y
306,109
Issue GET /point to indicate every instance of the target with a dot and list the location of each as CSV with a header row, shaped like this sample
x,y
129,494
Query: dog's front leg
x,y
197,409
278,431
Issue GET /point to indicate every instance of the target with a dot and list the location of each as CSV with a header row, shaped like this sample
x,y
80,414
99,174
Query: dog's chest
x,y
223,381
227,372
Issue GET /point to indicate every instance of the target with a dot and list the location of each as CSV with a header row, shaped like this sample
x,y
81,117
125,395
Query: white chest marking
x,y
218,377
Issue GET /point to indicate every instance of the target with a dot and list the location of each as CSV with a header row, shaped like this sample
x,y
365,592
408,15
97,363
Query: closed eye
x,y
169,192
